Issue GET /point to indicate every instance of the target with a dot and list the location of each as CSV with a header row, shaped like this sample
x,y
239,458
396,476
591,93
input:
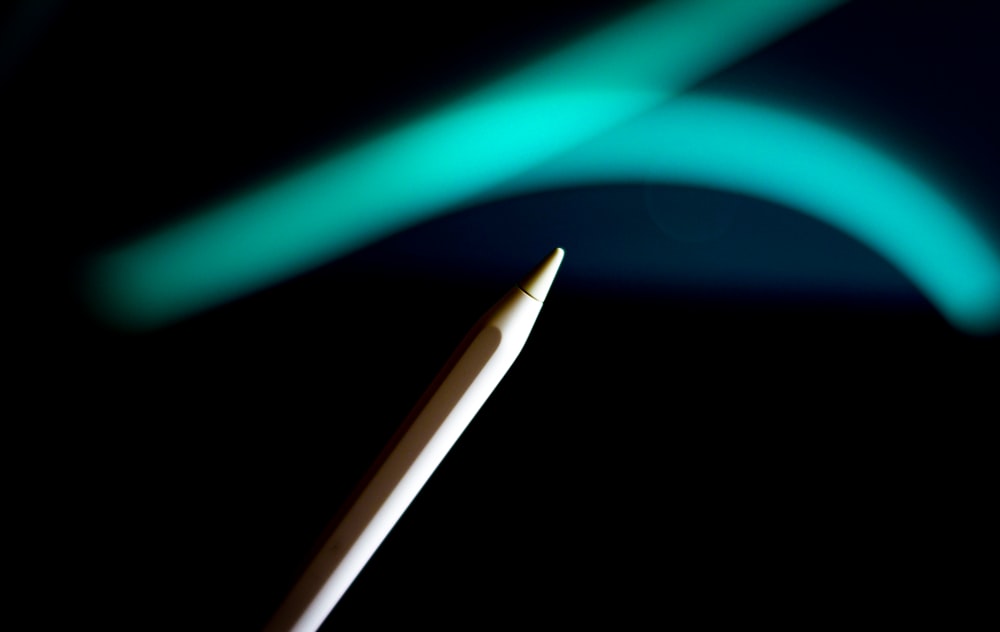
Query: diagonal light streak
x,y
451,156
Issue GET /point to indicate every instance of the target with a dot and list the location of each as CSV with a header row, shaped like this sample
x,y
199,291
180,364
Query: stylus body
x,y
417,448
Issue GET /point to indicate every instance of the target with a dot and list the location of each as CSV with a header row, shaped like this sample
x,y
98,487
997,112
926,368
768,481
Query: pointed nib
x,y
538,282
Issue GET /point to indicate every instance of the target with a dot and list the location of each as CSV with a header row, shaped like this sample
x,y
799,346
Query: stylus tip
x,y
538,282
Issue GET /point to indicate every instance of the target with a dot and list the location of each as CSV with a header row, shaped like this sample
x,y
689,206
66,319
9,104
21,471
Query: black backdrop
x,y
655,453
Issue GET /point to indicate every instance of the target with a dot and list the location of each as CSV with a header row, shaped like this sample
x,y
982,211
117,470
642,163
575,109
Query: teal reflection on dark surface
x,y
433,163
800,163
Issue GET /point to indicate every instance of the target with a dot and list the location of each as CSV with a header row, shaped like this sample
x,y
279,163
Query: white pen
x,y
415,451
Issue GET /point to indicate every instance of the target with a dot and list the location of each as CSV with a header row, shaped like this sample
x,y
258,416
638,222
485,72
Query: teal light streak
x,y
805,165
434,163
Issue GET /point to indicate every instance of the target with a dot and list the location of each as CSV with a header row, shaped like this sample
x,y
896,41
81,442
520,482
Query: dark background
x,y
796,450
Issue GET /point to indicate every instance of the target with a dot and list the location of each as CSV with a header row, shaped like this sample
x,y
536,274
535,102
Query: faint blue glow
x,y
802,164
447,158
23,23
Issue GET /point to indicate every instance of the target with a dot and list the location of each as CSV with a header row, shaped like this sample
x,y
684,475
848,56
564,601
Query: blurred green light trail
x,y
451,156
810,167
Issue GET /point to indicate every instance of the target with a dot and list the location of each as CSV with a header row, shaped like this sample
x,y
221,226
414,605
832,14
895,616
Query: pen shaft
x,y
437,421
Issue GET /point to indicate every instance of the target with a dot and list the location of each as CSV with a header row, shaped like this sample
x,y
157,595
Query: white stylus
x,y
423,440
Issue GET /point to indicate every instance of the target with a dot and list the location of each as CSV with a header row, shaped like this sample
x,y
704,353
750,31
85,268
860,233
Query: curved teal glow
x,y
791,160
423,167
589,113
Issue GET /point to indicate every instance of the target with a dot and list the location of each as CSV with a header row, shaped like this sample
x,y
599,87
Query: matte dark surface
x,y
786,433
